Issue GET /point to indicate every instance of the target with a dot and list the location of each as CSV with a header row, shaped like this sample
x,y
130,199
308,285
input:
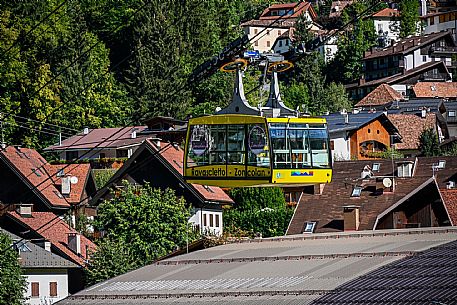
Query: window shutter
x,y
35,289
53,289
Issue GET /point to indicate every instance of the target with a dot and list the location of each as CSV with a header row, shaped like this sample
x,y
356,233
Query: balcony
x,y
443,50
434,76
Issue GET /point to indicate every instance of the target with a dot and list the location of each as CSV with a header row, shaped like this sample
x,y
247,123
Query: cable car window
x,y
317,126
258,152
217,144
279,142
235,148
198,145
299,148
318,143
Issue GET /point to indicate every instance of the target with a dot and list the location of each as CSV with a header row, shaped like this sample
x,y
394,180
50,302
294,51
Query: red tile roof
x,y
436,89
410,127
40,175
450,198
174,155
56,231
101,138
382,95
297,10
387,12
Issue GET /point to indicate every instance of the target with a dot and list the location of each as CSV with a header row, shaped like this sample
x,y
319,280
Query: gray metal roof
x,y
33,256
336,121
374,266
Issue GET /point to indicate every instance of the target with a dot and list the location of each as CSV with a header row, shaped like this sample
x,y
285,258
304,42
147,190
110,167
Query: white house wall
x,y
387,26
44,277
437,26
341,147
265,41
206,220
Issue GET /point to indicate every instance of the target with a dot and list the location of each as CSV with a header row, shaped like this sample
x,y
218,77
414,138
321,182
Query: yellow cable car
x,y
228,151
248,146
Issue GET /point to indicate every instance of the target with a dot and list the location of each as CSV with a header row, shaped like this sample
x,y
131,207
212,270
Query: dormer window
x,y
405,169
356,191
376,167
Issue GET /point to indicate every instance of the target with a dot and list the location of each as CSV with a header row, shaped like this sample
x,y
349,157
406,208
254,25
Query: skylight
x,y
356,191
309,227
376,167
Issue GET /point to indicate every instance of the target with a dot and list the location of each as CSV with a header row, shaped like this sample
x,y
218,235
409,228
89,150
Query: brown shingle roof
x,y
56,231
436,89
382,95
410,127
407,45
39,175
297,11
327,208
387,12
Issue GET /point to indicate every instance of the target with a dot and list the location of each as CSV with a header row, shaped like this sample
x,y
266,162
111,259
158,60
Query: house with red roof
x,y
387,25
381,194
51,232
285,14
28,179
161,165
447,90
380,98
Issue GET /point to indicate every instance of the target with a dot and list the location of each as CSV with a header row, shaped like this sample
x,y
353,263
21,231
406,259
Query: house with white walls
x,y
387,26
46,273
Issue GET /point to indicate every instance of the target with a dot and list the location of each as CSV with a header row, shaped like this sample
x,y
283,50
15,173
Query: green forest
x,y
69,64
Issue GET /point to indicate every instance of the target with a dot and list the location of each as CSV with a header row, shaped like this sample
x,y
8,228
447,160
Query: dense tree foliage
x,y
409,18
12,283
151,222
258,210
429,144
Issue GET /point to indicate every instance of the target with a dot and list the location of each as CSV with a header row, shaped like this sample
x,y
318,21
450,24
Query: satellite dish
x,y
387,182
73,180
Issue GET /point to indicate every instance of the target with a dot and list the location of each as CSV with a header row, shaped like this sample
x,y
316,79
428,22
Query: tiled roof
x,y
34,256
338,7
35,170
101,138
414,266
327,208
435,89
450,198
336,121
410,127
282,24
407,45
382,95
298,10
56,231
174,155
387,12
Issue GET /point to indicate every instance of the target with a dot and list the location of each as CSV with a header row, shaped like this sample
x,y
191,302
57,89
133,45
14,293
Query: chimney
x,y
86,130
423,112
133,134
74,242
351,217
25,210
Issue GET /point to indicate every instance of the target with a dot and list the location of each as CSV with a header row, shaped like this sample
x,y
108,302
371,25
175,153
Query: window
x,y
280,43
279,33
441,18
211,221
122,153
287,42
102,155
432,21
356,191
53,289
217,220
309,227
255,31
71,155
204,220
256,43
268,43
35,289
376,167
451,113
268,32
424,58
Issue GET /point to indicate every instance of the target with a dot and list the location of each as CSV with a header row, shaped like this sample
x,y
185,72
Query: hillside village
x,y
95,205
